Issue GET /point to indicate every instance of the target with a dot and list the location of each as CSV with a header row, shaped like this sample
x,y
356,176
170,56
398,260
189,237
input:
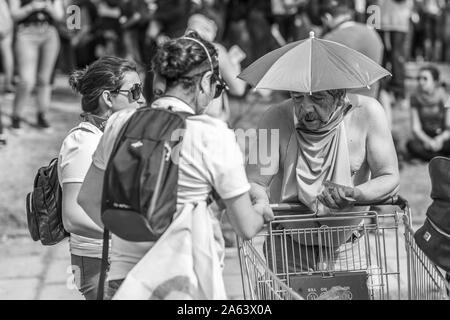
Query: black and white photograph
x,y
236,151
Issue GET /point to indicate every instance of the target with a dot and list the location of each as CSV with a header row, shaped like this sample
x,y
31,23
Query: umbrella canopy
x,y
313,65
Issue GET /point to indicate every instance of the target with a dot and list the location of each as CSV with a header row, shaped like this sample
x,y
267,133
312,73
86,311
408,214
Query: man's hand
x,y
336,196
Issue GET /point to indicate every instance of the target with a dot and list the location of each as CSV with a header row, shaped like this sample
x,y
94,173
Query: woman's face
x,y
426,81
124,99
205,92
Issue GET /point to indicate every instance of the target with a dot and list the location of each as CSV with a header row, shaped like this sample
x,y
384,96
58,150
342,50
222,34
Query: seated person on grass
x,y
430,117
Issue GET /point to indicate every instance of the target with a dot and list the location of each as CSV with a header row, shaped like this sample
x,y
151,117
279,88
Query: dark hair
x,y
435,73
104,74
177,57
335,7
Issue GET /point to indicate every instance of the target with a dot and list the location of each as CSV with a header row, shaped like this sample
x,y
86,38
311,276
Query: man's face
x,y
313,111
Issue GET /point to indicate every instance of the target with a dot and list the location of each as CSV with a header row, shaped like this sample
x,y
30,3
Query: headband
x,y
159,82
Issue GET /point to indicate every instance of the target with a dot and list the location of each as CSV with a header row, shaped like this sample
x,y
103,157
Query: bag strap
x,y
104,265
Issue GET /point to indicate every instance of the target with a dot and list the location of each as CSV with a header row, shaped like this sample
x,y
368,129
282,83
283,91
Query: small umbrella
x,y
313,65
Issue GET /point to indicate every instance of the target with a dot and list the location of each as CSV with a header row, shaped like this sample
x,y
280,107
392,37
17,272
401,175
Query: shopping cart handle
x,y
392,201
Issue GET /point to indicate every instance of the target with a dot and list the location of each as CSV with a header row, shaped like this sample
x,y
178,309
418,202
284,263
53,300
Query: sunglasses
x,y
134,93
220,84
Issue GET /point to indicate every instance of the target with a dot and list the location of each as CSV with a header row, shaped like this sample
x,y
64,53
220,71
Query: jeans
x,y
395,55
112,288
87,274
37,48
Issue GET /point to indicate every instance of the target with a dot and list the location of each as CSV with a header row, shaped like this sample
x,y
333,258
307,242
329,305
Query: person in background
x,y
188,65
108,28
284,13
105,87
79,49
204,23
6,45
134,21
395,25
338,19
37,47
446,32
432,22
6,53
430,117
168,20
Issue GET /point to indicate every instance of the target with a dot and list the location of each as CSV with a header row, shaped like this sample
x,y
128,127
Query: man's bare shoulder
x,y
367,112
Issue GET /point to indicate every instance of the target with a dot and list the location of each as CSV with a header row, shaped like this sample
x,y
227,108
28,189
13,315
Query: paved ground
x,y
30,271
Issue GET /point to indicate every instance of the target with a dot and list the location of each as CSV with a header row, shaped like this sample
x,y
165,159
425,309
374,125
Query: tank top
x,y
37,16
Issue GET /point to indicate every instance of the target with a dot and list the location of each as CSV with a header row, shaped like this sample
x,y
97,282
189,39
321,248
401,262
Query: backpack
x,y
44,205
140,184
434,235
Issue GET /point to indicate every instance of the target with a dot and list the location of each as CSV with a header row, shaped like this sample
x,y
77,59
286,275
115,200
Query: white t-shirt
x,y
75,158
210,157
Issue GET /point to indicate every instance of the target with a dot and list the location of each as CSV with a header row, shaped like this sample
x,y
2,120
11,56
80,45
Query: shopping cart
x,y
426,280
302,256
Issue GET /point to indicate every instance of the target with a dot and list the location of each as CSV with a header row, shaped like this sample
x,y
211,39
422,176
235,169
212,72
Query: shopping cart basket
x,y
426,281
302,255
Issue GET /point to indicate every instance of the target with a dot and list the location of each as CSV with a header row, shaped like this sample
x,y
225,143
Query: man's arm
x,y
381,156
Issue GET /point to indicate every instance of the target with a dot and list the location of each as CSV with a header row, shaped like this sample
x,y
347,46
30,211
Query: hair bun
x,y
76,79
173,60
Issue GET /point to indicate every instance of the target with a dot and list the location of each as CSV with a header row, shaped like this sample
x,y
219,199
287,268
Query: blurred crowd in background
x,y
410,30
130,28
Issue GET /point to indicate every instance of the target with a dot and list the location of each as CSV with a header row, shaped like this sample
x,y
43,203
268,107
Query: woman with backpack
x,y
107,85
188,67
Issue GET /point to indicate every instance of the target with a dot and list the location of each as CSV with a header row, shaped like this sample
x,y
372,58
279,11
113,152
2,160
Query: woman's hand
x,y
264,210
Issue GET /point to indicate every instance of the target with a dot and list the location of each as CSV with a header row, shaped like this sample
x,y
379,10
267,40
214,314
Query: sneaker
x,y
15,122
2,139
41,121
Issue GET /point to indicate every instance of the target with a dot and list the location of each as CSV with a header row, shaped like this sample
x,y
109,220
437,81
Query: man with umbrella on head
x,y
335,148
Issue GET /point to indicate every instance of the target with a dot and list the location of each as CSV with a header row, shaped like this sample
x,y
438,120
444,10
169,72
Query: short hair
x,y
435,73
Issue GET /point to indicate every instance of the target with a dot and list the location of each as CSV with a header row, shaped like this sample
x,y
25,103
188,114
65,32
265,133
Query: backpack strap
x,y
105,249
104,265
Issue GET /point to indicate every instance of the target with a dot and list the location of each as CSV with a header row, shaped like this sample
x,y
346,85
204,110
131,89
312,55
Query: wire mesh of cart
x,y
303,256
426,281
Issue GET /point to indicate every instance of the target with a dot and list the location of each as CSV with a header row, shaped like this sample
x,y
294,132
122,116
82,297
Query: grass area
x,y
29,149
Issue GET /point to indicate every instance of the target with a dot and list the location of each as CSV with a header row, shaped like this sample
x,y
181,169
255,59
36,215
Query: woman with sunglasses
x,y
430,117
210,156
107,85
